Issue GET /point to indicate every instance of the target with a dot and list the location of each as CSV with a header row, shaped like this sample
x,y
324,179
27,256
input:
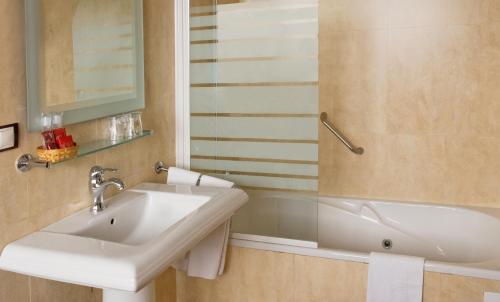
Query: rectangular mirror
x,y
84,58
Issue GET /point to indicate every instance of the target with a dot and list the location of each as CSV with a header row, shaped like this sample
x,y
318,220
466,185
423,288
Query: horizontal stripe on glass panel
x,y
271,182
203,14
277,189
299,99
255,167
106,67
254,140
277,115
290,37
292,151
251,59
204,171
275,31
106,38
104,50
260,84
247,49
282,71
255,127
204,42
209,27
251,159
106,89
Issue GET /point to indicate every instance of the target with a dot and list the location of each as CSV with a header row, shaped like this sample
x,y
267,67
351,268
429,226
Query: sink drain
x,y
387,244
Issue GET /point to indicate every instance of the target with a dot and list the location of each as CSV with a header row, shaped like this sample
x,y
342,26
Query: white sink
x,y
140,233
133,218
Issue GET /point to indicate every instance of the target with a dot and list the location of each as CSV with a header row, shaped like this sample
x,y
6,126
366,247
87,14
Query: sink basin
x,y
140,233
137,218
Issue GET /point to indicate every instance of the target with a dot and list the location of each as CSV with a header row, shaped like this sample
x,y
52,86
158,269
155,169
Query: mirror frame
x,y
32,22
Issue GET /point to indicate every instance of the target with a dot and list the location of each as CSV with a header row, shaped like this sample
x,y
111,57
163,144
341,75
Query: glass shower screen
x,y
254,109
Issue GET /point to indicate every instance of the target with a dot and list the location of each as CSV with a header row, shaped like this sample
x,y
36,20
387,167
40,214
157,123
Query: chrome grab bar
x,y
356,150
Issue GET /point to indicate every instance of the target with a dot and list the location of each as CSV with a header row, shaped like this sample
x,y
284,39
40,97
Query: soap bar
x,y
59,132
65,141
49,141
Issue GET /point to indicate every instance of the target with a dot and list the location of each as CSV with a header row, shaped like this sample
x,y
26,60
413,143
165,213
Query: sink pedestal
x,y
147,294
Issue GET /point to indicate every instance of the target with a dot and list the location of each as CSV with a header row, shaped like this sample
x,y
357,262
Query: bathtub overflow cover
x,y
387,244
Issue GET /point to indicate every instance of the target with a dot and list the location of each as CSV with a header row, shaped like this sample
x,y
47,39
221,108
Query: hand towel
x,y
395,278
209,181
491,297
207,259
178,176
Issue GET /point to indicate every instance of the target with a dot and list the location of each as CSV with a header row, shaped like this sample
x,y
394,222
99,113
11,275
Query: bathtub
x,y
454,240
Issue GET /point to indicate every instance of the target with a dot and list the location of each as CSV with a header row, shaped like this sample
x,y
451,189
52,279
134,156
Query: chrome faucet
x,y
98,185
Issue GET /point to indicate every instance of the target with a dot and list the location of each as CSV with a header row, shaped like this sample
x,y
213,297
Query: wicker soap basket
x,y
57,155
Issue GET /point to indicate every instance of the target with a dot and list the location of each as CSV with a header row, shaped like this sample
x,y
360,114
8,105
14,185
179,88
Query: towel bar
x,y
160,167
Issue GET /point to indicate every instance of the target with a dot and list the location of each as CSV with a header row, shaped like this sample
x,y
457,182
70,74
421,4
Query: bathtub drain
x,y
387,244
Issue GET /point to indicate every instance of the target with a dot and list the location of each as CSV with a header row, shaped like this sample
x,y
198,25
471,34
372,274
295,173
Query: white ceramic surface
x,y
438,233
140,233
454,240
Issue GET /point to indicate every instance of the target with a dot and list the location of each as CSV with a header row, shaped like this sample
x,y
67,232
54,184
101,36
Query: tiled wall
x,y
263,276
33,200
415,82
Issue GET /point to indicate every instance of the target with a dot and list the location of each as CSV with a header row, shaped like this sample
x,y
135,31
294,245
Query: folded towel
x,y
178,176
395,278
491,297
207,259
209,181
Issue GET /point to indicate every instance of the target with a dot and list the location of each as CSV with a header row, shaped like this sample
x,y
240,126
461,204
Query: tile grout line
x,y
29,289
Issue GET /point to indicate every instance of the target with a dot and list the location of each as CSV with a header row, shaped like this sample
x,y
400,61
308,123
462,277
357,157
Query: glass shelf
x,y
104,144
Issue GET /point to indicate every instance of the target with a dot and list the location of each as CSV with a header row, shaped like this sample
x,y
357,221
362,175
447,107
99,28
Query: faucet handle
x,y
98,171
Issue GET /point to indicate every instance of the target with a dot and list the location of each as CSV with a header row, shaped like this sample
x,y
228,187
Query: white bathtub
x,y
454,240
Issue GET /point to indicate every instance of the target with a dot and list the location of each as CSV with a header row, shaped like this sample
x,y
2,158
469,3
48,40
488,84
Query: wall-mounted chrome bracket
x,y
160,167
25,162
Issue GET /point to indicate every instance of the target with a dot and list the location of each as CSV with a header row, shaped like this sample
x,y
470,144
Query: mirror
x,y
84,58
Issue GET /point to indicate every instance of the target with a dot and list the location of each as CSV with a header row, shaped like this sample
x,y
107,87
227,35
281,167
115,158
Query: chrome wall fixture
x,y
160,167
25,162
356,150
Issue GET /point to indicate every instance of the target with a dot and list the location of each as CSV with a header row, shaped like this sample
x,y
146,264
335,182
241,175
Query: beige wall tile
x,y
166,287
318,280
414,94
315,279
13,287
411,13
251,275
33,200
43,290
357,14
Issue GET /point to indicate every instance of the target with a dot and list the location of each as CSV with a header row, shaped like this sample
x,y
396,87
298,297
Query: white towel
x,y
491,297
395,278
178,176
207,259
209,181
